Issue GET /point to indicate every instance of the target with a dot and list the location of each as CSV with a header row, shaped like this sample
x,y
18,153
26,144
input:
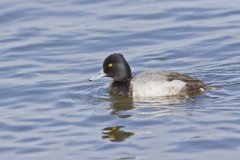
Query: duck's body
x,y
150,83
158,83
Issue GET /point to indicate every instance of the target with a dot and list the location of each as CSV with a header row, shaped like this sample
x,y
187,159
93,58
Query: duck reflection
x,y
121,107
120,104
115,134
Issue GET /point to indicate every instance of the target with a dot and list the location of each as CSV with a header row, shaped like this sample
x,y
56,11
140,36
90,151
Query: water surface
x,y
49,110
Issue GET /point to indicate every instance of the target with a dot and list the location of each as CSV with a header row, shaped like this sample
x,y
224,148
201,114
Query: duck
x,y
148,83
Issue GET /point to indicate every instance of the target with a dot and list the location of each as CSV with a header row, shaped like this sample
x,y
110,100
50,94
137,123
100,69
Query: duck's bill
x,y
99,75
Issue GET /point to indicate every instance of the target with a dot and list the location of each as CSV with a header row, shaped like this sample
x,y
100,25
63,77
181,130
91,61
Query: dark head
x,y
116,67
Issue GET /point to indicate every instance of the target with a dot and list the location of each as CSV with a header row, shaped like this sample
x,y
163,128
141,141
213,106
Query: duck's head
x,y
116,67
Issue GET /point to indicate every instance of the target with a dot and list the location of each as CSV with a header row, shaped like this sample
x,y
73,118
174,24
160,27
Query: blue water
x,y
49,110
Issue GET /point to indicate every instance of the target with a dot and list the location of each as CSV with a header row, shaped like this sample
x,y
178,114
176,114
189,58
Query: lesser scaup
x,y
146,84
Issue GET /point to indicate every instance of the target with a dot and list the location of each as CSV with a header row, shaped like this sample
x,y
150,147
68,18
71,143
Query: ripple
x,y
16,128
30,150
93,93
202,145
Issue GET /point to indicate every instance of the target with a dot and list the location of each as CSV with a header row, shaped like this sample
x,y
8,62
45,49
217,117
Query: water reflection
x,y
152,107
120,104
165,106
115,134
165,100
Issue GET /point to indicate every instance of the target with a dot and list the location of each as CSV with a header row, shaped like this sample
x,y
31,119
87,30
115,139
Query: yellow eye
x,y
110,65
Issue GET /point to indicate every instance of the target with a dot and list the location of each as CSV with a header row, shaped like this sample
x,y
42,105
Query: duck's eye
x,y
110,65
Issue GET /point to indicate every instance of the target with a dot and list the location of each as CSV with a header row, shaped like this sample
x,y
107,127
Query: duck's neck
x,y
122,88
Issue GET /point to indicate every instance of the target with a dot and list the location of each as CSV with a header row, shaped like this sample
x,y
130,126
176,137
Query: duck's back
x,y
162,83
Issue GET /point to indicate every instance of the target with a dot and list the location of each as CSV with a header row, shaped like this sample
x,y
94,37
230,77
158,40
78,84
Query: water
x,y
49,110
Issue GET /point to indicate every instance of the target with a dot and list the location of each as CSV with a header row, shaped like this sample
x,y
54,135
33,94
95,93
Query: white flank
x,y
157,88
